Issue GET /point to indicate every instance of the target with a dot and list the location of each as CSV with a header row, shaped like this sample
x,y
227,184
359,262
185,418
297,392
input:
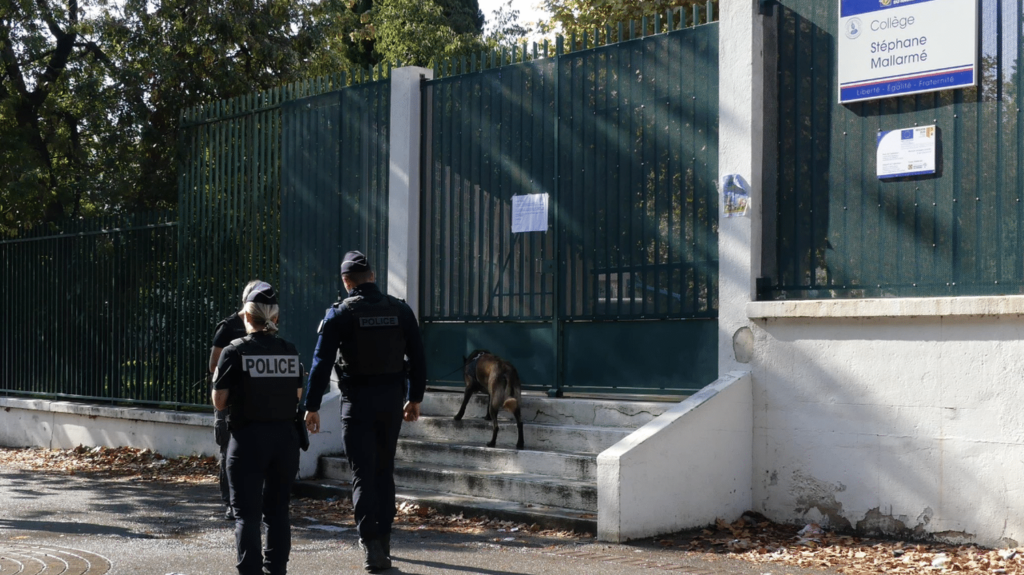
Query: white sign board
x,y
908,152
898,47
530,213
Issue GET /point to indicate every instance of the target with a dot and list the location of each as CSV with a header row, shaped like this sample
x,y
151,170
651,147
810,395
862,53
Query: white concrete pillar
x,y
404,184
740,151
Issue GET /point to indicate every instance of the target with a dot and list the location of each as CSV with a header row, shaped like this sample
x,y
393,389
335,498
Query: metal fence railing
x,y
838,231
123,309
92,313
334,198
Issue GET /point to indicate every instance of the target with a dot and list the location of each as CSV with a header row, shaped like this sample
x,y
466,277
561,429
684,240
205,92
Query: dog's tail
x,y
511,404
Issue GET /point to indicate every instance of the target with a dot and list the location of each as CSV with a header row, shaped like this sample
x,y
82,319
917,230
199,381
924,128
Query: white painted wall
x,y
894,416
684,469
329,440
65,425
740,128
899,416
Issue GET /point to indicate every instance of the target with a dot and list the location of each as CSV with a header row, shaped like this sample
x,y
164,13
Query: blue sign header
x,y
855,7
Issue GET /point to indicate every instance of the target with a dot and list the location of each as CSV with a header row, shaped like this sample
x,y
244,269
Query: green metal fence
x,y
840,232
255,201
334,199
620,292
92,313
123,310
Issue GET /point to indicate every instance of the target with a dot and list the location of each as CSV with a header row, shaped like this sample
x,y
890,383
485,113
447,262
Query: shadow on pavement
x,y
69,528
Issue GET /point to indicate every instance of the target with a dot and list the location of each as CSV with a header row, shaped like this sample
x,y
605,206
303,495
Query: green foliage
x,y
570,17
415,32
91,90
506,30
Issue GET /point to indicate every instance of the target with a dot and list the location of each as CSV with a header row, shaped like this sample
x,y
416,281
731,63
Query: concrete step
x,y
515,486
449,504
580,439
575,467
537,408
444,464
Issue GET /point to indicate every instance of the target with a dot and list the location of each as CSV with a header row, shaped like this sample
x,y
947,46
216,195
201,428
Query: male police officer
x,y
259,380
374,333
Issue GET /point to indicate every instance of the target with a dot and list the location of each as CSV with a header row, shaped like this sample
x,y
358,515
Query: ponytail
x,y
263,316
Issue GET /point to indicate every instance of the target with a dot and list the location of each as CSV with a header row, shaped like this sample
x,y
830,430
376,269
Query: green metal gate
x,y
334,198
621,292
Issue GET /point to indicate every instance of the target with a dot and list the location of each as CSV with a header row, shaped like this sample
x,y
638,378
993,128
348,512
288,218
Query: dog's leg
x,y
492,414
519,427
465,402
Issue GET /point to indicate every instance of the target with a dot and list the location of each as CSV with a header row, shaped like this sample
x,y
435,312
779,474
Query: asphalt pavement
x,y
81,525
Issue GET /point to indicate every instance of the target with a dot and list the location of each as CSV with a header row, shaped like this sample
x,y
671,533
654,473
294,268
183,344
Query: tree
x,y
583,16
413,32
90,92
505,29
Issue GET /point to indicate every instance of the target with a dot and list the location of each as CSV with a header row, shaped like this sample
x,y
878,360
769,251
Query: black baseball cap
x,y
262,293
354,263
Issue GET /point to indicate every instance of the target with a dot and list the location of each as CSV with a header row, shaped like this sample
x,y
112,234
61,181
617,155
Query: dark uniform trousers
x,y
262,451
371,419
222,437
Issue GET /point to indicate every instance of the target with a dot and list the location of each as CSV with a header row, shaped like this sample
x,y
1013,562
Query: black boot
x,y
385,542
374,558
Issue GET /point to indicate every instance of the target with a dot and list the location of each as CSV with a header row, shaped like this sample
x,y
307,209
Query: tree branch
x,y
91,47
59,60
10,61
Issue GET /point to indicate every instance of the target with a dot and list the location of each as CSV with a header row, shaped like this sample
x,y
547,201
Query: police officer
x,y
374,334
259,381
229,329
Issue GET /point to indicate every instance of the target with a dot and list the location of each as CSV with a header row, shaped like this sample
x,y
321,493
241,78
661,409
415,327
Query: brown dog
x,y
499,379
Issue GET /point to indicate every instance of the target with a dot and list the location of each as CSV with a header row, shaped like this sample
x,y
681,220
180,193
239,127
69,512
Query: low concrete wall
x,y
900,417
329,440
684,469
66,425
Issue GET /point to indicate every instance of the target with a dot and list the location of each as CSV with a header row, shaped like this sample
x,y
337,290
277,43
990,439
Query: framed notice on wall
x,y
907,152
898,47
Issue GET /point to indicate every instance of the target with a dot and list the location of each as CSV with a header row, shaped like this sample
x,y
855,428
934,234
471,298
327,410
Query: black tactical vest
x,y
379,346
271,374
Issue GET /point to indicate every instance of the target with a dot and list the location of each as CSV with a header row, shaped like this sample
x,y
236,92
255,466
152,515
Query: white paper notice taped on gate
x,y
530,213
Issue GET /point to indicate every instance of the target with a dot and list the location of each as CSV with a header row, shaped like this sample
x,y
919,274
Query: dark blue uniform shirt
x,y
337,331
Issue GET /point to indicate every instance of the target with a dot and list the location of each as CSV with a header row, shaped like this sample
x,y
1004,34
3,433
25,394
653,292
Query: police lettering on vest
x,y
386,321
271,365
272,375
379,341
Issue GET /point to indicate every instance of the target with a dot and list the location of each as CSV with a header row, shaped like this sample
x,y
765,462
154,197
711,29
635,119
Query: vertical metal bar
x,y
516,150
556,322
491,226
1019,141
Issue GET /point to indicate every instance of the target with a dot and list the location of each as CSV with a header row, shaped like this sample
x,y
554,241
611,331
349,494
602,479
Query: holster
x,y
221,435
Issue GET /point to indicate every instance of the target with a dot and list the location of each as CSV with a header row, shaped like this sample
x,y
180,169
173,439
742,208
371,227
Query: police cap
x,y
354,263
262,293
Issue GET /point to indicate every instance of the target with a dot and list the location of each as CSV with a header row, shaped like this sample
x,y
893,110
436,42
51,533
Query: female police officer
x,y
228,330
258,380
